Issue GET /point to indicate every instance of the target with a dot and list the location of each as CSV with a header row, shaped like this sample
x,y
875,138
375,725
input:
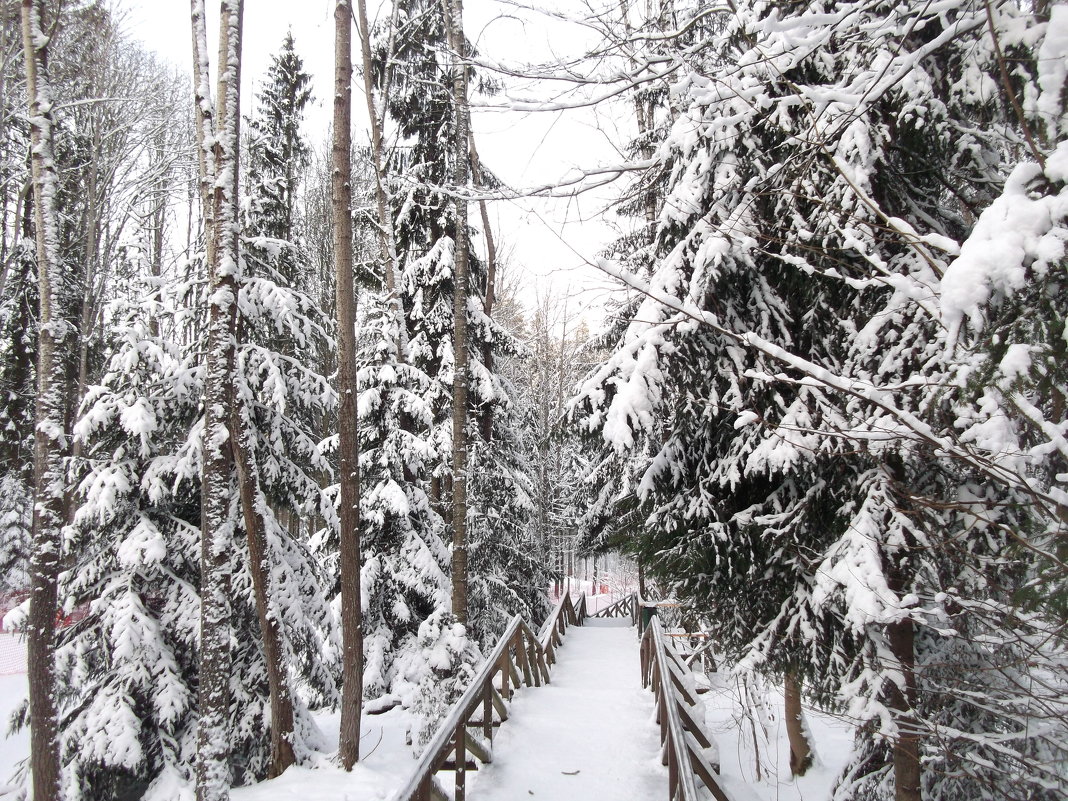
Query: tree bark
x,y
218,159
252,506
796,731
158,217
348,444
491,281
644,117
907,775
50,435
461,279
900,637
385,222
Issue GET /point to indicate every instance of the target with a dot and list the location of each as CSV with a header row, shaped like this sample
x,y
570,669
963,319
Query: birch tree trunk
x,y
50,434
348,445
461,279
218,159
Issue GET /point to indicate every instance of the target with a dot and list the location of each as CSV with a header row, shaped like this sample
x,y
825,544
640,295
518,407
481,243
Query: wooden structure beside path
x,y
465,737
594,679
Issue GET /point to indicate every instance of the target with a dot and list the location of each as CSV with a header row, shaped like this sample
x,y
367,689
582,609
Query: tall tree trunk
x,y
461,279
796,730
253,507
50,435
386,239
218,159
907,778
900,637
348,444
385,223
643,116
491,280
158,217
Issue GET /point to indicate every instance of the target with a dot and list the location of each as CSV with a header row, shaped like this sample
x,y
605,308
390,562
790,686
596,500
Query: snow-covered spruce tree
x,y
18,317
129,668
287,337
421,105
17,374
404,575
135,656
277,152
837,198
505,577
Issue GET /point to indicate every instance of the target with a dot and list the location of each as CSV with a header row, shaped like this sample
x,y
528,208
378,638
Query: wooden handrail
x,y
552,630
682,737
519,657
624,606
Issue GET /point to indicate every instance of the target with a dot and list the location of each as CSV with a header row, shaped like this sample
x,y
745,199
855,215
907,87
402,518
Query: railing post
x,y
506,674
673,770
461,761
522,658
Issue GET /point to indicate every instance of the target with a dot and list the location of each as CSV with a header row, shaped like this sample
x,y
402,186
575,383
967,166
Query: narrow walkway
x,y
587,736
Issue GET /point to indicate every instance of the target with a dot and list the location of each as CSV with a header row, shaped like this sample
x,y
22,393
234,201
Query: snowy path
x,y
594,718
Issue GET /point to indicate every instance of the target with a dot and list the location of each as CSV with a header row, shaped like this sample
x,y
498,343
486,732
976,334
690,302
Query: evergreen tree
x,y
277,153
134,656
17,374
818,518
131,667
421,105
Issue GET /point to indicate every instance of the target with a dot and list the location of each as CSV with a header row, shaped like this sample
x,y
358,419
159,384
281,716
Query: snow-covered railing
x,y
552,630
466,733
688,752
621,608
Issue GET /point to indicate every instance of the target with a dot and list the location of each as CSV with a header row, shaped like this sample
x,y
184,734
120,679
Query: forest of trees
x,y
276,417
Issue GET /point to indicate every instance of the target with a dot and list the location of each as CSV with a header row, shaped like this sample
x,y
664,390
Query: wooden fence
x,y
465,737
684,742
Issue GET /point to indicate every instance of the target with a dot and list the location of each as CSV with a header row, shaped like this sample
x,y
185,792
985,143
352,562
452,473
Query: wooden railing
x,y
466,733
624,607
552,630
685,745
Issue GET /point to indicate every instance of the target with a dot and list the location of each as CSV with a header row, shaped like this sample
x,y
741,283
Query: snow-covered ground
x,y
742,738
594,718
16,747
385,764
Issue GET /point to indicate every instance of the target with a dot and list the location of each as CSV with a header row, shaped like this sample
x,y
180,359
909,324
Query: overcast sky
x,y
551,241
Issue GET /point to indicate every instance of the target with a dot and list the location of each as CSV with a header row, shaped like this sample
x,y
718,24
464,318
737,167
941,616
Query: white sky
x,y
550,241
